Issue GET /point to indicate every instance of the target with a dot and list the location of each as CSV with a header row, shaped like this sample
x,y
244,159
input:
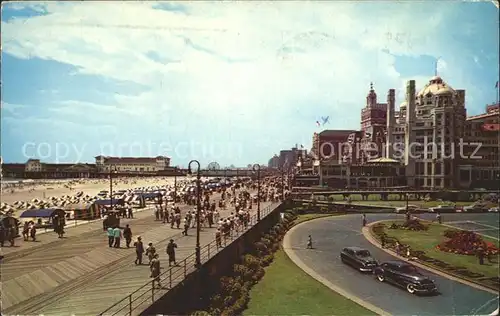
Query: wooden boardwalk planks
x,y
71,263
98,296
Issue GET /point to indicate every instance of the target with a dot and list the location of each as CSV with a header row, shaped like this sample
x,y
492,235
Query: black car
x,y
405,275
358,258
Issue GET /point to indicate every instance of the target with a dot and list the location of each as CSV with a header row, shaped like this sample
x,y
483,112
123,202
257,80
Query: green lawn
x,y
287,290
427,241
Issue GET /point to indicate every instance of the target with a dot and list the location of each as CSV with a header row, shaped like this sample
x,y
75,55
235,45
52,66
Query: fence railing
x,y
147,294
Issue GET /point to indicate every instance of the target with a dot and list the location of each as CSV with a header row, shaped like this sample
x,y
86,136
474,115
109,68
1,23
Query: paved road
x,y
330,235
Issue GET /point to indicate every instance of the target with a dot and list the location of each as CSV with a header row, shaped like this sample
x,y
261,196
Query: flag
x,y
317,123
496,85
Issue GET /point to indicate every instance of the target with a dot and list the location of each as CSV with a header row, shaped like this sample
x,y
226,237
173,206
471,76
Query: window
x,y
408,269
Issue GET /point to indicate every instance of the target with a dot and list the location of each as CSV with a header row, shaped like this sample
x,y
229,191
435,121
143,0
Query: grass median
x,y
428,240
288,290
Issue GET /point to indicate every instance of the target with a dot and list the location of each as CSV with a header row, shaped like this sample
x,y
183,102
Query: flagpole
x,y
498,92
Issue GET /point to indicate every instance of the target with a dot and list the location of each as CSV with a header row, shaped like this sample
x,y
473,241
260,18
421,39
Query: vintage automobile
x,y
405,275
358,258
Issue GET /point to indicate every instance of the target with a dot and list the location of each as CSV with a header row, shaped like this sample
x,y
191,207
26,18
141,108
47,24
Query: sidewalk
x,y
116,286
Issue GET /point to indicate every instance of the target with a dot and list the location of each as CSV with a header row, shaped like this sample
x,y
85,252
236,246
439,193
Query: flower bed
x,y
411,224
465,243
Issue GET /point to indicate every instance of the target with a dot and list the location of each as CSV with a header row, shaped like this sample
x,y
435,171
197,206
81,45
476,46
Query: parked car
x,y
475,208
358,258
405,275
443,209
411,208
493,210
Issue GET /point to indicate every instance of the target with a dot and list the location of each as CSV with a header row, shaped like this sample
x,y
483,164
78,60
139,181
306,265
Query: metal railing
x,y
147,294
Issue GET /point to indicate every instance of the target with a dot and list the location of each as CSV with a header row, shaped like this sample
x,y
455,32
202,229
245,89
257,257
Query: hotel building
x,y
428,143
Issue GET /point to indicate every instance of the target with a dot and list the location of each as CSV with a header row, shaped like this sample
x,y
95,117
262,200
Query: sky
x,y
233,82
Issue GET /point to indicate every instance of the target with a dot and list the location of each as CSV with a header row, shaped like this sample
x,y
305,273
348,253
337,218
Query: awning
x,y
130,198
109,202
150,195
81,206
43,212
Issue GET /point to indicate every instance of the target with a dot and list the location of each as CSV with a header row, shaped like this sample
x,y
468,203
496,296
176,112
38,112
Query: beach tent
x,y
83,211
42,213
149,196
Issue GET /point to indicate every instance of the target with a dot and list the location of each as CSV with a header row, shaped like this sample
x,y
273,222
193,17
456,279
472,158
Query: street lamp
x,y
112,169
256,168
198,210
282,183
175,184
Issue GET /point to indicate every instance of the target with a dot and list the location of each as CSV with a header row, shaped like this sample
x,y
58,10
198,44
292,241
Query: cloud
x,y
242,64
11,108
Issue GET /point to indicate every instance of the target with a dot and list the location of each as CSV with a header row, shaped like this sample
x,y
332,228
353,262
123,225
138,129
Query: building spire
x,y
371,86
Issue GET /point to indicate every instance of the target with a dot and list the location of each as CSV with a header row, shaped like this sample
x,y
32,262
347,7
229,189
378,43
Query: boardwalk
x,y
49,276
95,297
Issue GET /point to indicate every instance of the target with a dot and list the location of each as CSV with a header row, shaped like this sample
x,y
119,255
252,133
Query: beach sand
x,y
89,186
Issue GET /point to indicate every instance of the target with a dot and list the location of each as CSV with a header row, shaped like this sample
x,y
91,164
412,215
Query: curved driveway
x,y
331,234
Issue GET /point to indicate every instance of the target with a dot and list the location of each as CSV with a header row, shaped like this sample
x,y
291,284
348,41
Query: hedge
x,y
233,290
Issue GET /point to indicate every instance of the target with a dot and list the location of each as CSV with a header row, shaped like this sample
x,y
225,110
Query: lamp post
x,y
112,168
282,183
407,195
256,168
175,184
198,210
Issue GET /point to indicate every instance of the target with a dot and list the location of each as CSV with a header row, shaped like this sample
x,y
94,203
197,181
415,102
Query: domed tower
x,y
439,121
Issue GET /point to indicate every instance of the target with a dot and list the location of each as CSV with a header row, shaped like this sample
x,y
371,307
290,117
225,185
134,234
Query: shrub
x,y
200,313
261,248
233,292
411,224
415,224
267,260
394,226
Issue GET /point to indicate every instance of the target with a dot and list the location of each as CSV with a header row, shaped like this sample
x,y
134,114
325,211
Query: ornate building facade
x,y
429,143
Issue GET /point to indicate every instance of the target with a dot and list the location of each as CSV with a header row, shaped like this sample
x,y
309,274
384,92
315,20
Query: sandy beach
x,y
89,186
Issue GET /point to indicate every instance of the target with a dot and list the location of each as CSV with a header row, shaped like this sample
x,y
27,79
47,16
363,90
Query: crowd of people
x,y
238,196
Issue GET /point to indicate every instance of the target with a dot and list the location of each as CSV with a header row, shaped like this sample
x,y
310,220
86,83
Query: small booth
x,y
109,202
9,222
86,211
45,217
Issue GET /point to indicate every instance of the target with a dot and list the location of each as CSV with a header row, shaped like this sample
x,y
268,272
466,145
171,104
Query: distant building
x,y
481,168
285,158
274,162
132,164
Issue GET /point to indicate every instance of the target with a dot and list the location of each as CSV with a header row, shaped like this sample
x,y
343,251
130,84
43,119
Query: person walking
x,y
111,236
117,233
171,252
139,250
127,234
154,266
309,242
150,252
